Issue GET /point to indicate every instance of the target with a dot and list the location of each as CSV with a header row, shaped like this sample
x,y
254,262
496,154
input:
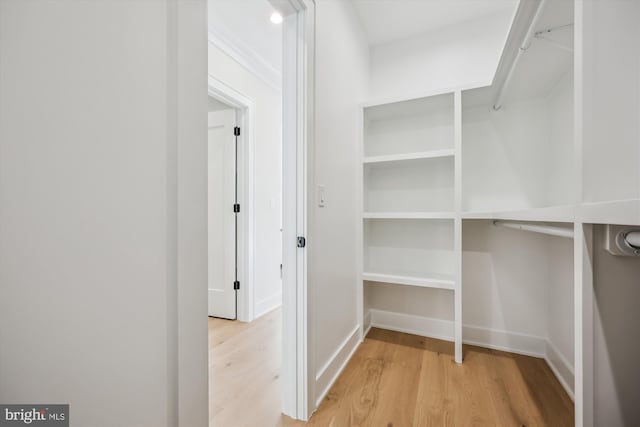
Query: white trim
x,y
359,221
246,121
410,324
248,58
561,367
329,373
187,397
366,324
457,225
298,374
511,342
583,306
615,212
268,304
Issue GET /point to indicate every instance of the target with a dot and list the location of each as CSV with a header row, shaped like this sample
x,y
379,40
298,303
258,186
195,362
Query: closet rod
x,y
544,229
526,43
633,239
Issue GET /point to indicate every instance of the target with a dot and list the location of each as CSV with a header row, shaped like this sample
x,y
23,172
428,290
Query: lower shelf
x,y
438,281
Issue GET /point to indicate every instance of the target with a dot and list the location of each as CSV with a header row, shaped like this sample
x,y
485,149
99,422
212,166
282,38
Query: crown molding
x,y
247,58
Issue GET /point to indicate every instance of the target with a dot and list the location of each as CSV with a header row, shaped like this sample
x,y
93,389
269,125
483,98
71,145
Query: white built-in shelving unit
x,y
553,144
410,220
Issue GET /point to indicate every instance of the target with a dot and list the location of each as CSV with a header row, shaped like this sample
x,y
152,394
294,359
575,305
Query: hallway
x,y
244,372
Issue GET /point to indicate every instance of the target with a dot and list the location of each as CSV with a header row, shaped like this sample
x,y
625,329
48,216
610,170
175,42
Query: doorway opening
x,y
259,360
224,208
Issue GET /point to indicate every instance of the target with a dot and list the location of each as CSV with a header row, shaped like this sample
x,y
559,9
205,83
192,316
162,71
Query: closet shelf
x,y
438,281
409,215
391,158
562,213
621,212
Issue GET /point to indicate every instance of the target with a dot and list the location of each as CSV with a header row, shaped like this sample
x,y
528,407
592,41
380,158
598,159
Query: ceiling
x,y
246,24
390,20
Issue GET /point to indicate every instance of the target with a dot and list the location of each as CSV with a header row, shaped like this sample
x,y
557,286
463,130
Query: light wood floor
x,y
393,380
244,372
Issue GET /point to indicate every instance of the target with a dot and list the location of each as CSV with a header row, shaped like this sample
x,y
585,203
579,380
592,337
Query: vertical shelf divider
x,y
360,226
457,128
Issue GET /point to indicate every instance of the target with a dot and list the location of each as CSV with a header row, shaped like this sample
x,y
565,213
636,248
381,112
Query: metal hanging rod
x,y
632,238
526,43
543,229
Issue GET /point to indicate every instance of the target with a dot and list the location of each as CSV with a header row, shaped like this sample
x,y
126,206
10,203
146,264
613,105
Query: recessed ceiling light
x,y
276,18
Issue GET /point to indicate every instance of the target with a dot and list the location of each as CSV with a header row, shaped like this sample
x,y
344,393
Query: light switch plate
x,y
321,196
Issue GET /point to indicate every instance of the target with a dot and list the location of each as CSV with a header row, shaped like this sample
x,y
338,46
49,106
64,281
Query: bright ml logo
x,y
34,415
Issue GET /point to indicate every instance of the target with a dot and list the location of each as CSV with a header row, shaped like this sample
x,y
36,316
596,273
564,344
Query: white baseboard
x,y
367,324
512,342
267,304
561,367
528,345
329,373
443,329
410,324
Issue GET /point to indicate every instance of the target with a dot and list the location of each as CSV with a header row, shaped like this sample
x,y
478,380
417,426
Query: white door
x,y
222,219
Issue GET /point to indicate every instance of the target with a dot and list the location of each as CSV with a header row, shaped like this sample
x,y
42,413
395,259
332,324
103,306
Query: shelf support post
x,y
457,232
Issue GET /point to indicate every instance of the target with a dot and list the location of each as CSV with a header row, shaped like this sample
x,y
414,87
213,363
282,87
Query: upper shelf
x,y
620,212
390,158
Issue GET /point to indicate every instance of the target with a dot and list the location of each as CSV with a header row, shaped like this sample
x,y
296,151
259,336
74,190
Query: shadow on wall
x,y
616,343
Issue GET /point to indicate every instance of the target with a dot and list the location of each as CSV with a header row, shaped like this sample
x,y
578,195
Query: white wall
x,y
453,56
267,177
341,85
93,252
560,176
246,24
521,156
611,69
504,278
503,155
521,283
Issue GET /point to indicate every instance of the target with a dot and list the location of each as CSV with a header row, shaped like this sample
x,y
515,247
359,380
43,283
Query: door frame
x,y
245,119
229,158
297,373
298,340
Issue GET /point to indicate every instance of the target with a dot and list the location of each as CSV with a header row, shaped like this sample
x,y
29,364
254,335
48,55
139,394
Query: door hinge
x,y
302,242
236,207
236,285
236,131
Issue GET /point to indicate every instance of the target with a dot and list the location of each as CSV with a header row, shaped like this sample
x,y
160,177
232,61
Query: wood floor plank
x,y
351,400
491,388
393,379
399,383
